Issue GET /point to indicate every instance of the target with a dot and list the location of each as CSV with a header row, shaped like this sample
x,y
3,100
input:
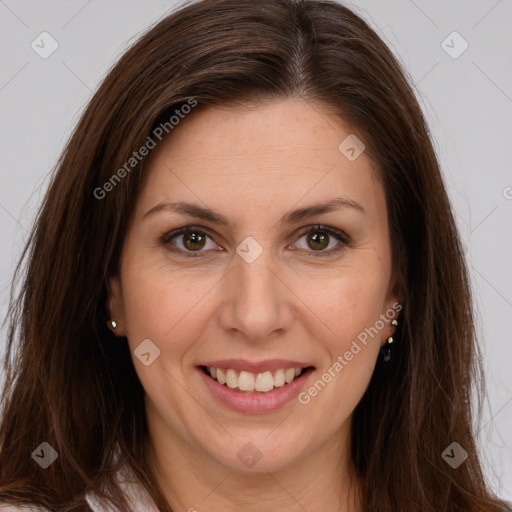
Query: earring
x,y
386,350
112,324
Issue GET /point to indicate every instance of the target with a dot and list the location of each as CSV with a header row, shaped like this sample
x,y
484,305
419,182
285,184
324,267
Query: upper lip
x,y
256,366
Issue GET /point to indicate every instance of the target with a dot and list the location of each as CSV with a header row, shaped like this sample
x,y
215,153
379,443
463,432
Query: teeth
x,y
231,379
264,382
289,375
247,381
279,378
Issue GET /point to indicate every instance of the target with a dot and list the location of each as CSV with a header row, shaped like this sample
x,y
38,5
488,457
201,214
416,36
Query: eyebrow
x,y
199,212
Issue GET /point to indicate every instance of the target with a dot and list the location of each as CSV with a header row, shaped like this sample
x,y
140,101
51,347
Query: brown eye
x,y
189,240
318,241
318,238
193,240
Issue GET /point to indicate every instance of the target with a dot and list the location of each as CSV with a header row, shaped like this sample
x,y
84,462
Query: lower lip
x,y
255,402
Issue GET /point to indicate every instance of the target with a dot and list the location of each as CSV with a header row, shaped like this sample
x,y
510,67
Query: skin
x,y
253,166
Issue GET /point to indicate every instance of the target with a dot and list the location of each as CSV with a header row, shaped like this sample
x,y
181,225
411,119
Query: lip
x,y
255,367
255,402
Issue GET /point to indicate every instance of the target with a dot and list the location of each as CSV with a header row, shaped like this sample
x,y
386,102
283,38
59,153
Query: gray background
x,y
467,101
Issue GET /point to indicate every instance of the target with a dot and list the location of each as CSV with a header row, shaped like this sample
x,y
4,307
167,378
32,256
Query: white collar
x,y
137,496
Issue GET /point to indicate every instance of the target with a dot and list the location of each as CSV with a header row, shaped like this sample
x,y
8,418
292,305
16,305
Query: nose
x,y
257,301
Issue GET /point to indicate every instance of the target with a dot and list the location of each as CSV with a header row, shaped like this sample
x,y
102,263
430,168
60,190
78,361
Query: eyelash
x,y
339,235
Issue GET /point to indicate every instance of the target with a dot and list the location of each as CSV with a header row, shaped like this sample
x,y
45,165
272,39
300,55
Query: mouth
x,y
255,383
254,387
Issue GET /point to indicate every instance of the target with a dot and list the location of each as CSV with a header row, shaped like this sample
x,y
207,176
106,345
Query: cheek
x,y
167,310
348,305
164,305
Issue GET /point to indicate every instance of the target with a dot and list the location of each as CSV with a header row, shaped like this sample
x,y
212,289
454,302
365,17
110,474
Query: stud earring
x,y
386,350
112,324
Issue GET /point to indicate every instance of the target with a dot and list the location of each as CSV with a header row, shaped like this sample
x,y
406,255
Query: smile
x,y
248,381
262,390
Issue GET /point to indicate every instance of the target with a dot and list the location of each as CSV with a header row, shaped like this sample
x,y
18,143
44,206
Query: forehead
x,y
280,152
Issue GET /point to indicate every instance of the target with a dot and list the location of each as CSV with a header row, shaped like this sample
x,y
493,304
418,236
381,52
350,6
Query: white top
x,y
138,498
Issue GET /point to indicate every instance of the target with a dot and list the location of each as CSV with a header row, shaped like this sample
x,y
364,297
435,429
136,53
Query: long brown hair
x,y
70,384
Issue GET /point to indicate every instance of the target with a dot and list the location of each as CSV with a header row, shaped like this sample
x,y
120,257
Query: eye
x,y
193,239
319,237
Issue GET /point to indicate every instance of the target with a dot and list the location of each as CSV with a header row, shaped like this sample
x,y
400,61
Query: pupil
x,y
317,240
196,238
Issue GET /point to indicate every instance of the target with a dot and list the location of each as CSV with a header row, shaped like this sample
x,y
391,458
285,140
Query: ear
x,y
115,304
394,303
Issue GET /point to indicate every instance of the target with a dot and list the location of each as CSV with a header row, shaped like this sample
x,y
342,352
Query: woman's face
x,y
254,295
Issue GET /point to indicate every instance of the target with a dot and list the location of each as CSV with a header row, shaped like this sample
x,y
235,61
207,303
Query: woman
x,y
245,288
